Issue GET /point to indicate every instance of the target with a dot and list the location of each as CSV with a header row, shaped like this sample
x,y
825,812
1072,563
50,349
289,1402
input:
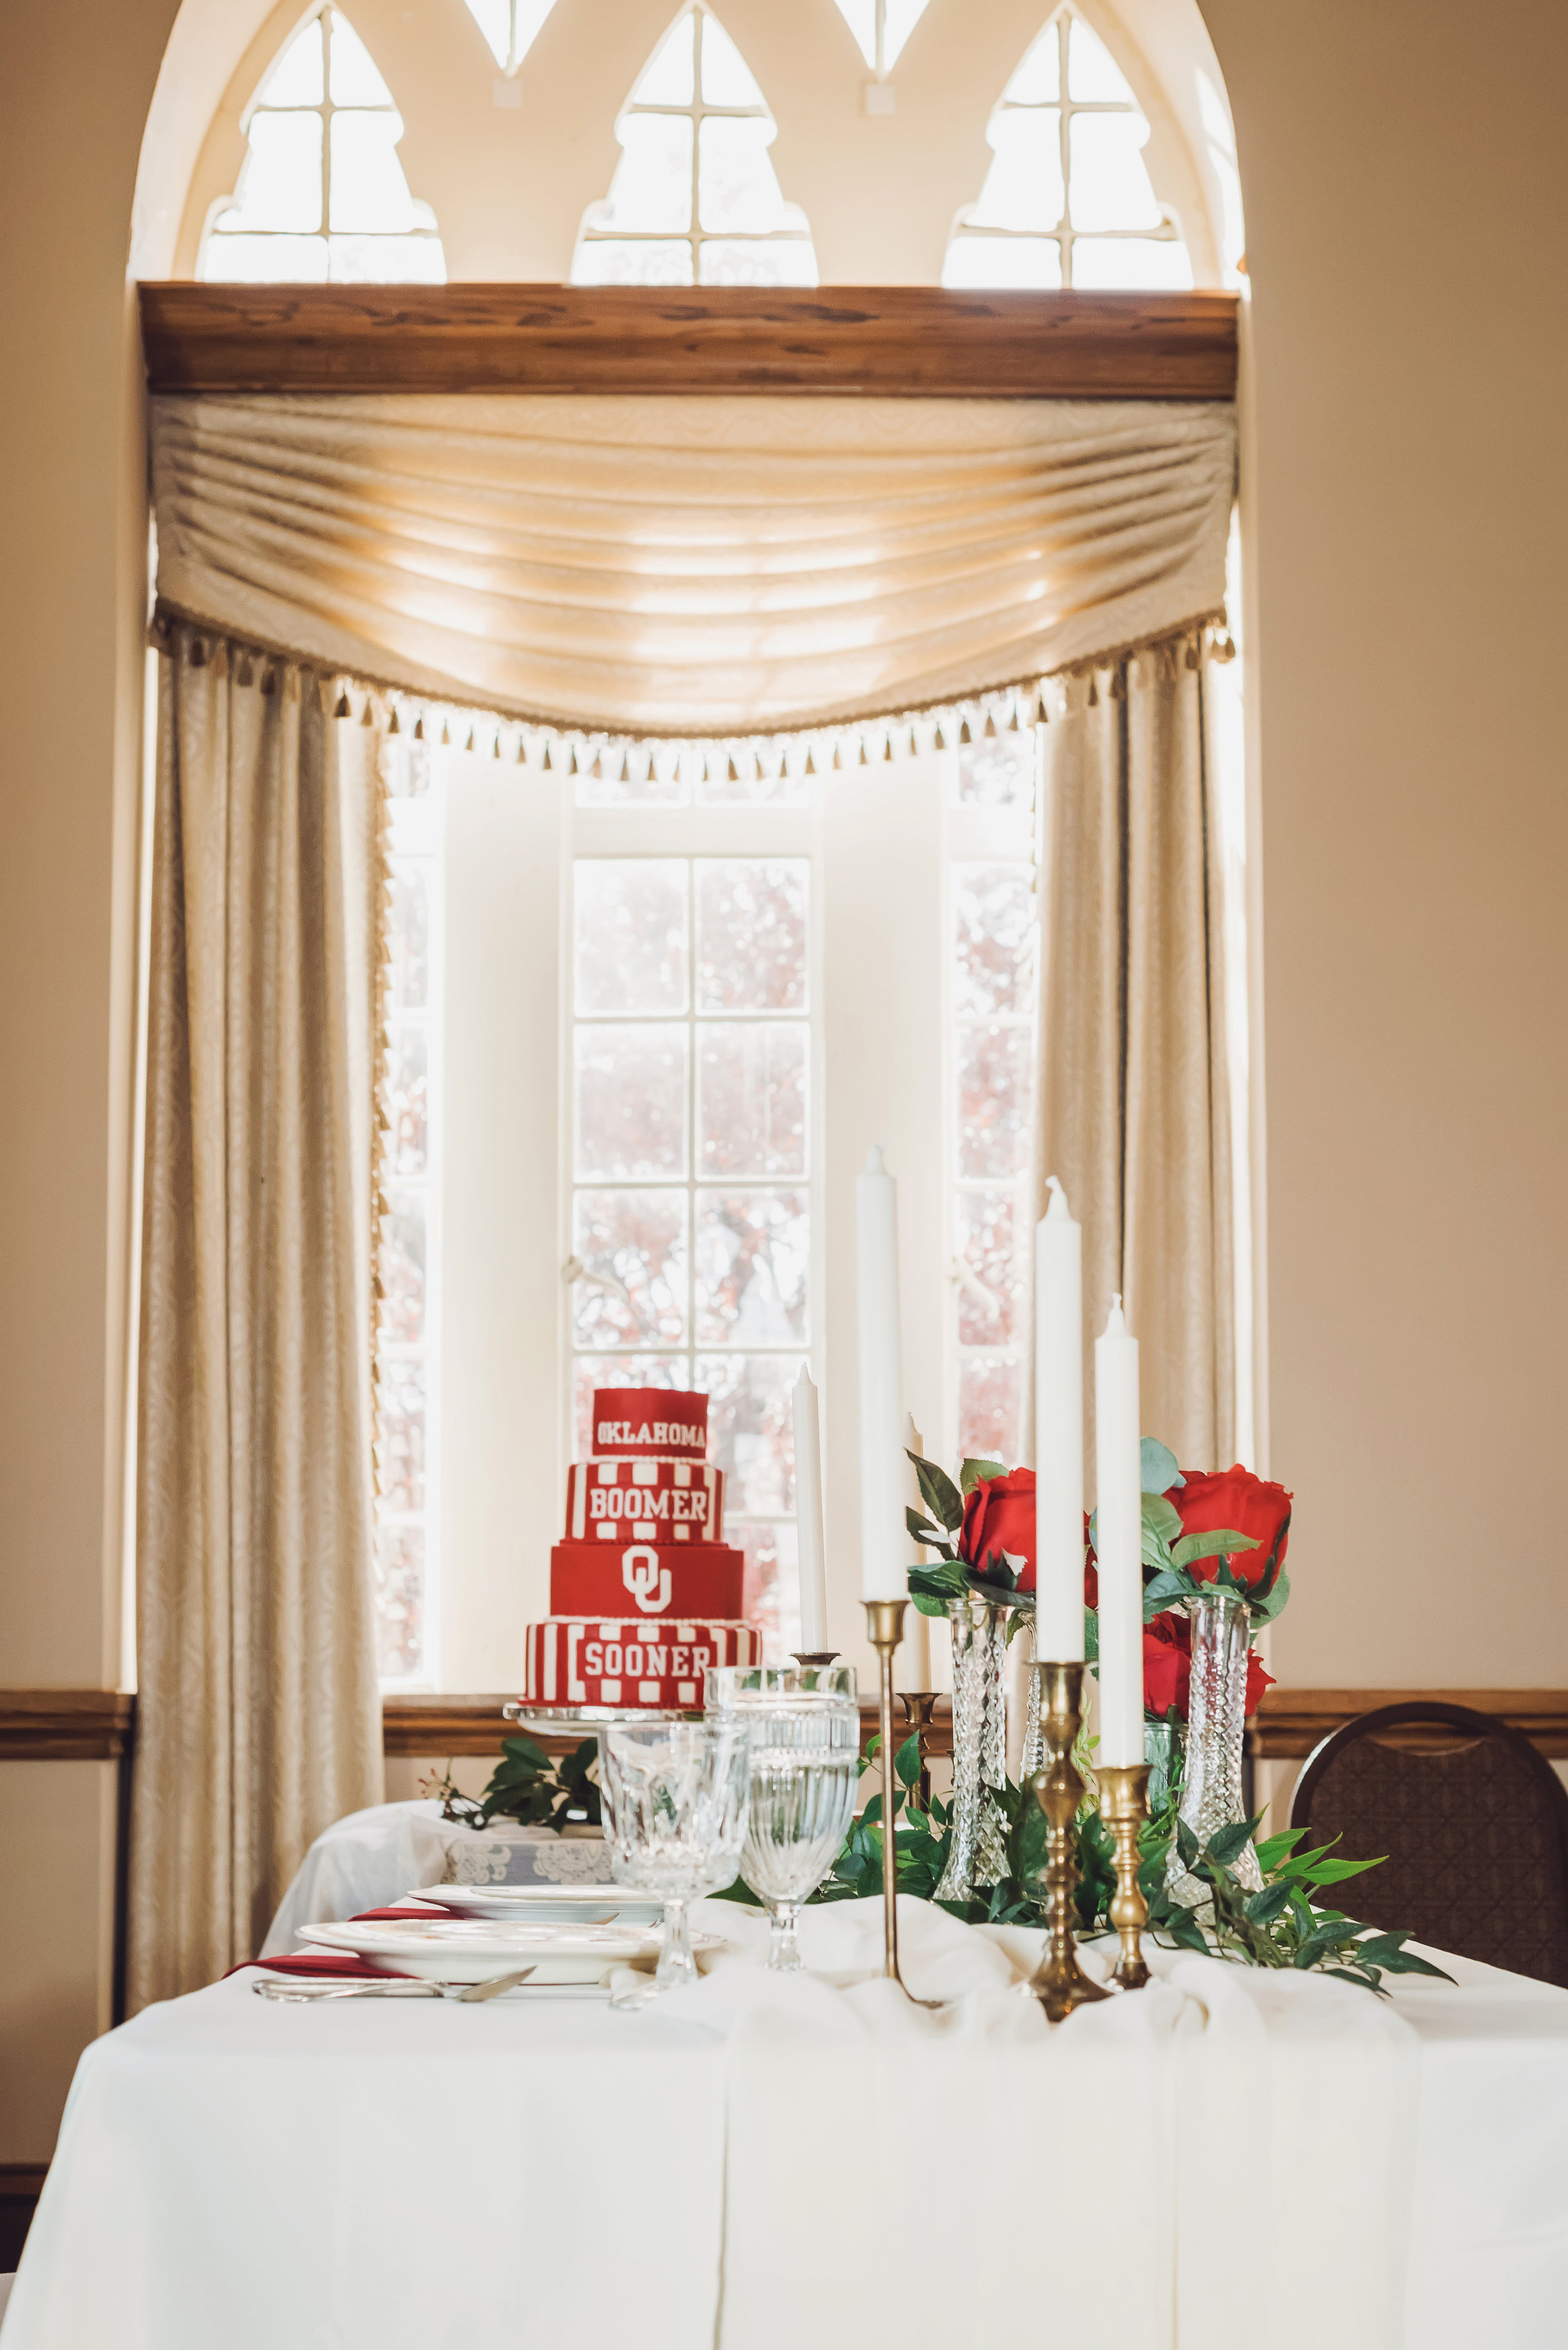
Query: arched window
x,y
695,199
511,28
1068,200
881,28
321,193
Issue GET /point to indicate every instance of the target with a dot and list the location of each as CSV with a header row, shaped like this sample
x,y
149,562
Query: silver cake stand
x,y
589,1720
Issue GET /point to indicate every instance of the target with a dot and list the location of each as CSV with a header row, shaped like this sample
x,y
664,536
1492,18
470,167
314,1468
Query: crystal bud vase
x,y
1211,1796
978,1853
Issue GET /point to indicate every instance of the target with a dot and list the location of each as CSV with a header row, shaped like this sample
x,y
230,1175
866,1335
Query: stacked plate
x,y
563,1934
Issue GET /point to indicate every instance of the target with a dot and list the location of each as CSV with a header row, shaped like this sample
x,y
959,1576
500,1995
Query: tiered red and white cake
x,y
644,1595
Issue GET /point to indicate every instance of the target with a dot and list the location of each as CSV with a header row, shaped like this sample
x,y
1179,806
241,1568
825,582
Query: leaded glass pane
x,y
369,193
355,79
280,185
758,261
631,1103
400,1434
408,937
651,190
296,78
630,934
670,79
401,1600
632,1246
993,1285
1131,265
751,1097
616,261
402,1265
727,79
1093,74
737,187
408,1101
751,933
1023,186
989,1394
1003,262
993,1078
750,1269
1111,187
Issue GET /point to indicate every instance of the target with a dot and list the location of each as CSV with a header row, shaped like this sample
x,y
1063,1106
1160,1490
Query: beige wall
x,y
1406,265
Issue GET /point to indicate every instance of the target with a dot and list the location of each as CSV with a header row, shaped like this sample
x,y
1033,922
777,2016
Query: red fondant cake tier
x,y
644,1501
650,1423
644,1578
609,1661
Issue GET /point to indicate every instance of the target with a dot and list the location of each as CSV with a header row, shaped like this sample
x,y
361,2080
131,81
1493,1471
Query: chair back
x,y
1475,1828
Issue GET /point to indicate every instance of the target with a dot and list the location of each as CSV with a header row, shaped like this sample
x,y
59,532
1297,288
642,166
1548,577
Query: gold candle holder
x,y
818,1658
1123,1806
1059,1982
885,1630
918,1706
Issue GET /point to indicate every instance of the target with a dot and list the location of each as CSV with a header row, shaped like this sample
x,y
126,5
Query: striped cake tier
x,y
594,1661
644,1501
645,1578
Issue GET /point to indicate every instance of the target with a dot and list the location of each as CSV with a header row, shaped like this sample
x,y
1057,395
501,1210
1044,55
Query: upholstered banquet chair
x,y
1474,1823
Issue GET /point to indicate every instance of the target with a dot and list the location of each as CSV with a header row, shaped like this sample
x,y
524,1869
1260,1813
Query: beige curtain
x,y
1133,1085
660,566
258,1718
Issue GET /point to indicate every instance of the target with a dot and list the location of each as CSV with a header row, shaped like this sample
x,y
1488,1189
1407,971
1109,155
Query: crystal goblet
x,y
805,1747
675,1818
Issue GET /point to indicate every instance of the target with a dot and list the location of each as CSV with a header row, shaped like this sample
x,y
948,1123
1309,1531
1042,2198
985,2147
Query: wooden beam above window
x,y
915,340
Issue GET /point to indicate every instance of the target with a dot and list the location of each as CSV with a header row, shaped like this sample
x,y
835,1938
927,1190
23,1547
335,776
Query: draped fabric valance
x,y
668,566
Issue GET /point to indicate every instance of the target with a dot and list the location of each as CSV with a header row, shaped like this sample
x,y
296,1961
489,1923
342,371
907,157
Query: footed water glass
x,y
805,1726
675,1818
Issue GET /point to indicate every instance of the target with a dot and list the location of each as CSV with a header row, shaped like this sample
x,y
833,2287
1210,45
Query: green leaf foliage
x,y
1220,1542
978,1472
1160,1517
941,1497
1157,1471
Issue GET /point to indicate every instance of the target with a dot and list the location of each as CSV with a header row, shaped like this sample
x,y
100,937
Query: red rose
x,y
1167,1667
998,1516
1091,1568
1234,1500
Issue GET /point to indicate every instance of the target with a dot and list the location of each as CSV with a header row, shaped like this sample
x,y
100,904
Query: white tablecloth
x,y
1226,2159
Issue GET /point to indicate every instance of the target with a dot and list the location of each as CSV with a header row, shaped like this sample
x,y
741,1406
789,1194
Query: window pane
x,y
1023,186
1111,187
401,1599
387,261
355,80
993,925
1091,72
630,933
633,1245
1131,265
656,778
617,1371
280,184
402,1265
751,1097
607,261
1003,261
668,80
401,1435
758,261
737,187
296,80
751,1431
408,1101
264,260
994,1101
368,190
771,1593
993,1288
989,1398
996,774
631,1103
408,937
751,933
651,190
751,1268
727,79
1038,81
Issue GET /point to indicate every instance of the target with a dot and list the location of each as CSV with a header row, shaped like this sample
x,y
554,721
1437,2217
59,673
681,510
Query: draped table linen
x,y
760,2161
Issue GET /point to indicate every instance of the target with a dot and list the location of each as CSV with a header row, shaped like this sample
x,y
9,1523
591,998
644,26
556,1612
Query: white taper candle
x,y
808,1516
884,1538
1118,1543
1058,1433
917,1627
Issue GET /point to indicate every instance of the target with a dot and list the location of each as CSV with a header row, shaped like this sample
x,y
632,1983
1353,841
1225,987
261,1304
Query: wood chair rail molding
x,y
926,341
1289,1722
65,1725
436,1727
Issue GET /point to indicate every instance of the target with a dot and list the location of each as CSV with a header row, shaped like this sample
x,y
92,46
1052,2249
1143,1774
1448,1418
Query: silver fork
x,y
292,1991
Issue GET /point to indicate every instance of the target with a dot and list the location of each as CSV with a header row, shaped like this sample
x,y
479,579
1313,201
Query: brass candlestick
x,y
819,1658
918,1705
1059,1982
1123,1806
885,1630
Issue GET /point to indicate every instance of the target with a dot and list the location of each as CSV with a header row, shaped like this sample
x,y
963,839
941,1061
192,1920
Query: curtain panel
x,y
1133,1085
674,567
258,1717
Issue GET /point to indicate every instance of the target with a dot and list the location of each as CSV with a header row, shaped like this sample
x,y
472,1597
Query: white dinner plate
x,y
604,1905
464,1949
